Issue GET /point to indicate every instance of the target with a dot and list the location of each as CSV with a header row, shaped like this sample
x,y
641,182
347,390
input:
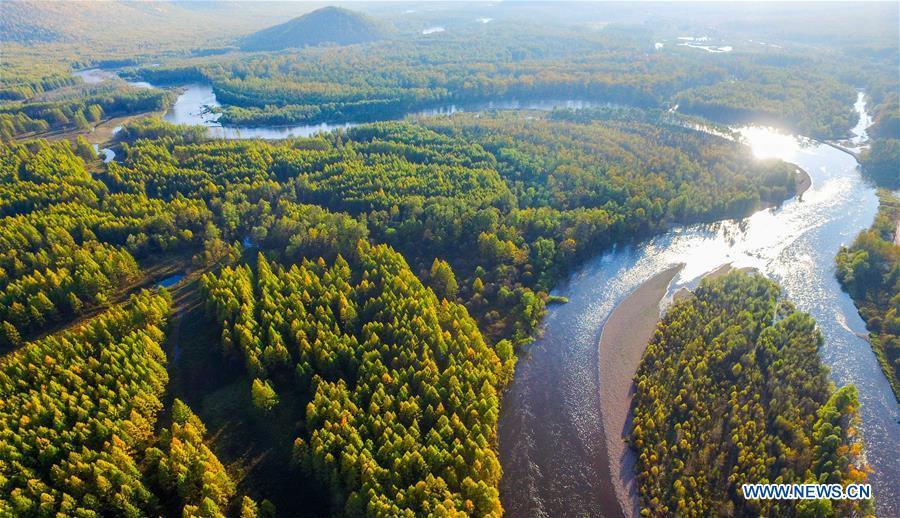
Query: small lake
x,y
105,153
171,280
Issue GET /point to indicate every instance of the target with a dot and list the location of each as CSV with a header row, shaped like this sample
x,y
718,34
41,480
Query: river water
x,y
551,441
197,104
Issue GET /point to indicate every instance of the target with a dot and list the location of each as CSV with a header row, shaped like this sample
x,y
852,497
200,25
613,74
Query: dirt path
x,y
100,134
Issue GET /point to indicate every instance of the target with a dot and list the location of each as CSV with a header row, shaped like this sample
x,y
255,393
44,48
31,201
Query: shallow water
x,y
551,442
98,75
107,154
171,280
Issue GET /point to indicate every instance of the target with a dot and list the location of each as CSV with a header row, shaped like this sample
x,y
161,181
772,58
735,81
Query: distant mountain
x,y
322,26
138,24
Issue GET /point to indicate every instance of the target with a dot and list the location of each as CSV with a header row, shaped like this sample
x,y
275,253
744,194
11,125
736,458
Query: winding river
x,y
197,104
552,446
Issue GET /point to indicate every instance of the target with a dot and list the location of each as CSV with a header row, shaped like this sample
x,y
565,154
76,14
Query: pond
x,y
171,280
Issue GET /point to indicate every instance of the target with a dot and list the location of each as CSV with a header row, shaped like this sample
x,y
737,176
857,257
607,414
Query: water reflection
x,y
171,280
770,142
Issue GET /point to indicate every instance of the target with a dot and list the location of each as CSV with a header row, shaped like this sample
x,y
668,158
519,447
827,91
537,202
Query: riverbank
x,y
839,147
802,182
622,342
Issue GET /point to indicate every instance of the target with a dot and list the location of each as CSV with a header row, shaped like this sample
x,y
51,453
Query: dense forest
x,y
82,432
387,79
870,271
535,196
399,387
68,245
79,107
881,162
731,391
348,308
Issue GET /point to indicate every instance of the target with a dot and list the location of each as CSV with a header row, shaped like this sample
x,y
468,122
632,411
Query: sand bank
x,y
802,182
622,343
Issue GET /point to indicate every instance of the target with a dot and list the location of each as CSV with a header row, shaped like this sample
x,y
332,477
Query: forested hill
x,y
731,390
327,25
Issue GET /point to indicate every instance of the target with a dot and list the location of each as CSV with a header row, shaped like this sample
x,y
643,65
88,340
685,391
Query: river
x,y
551,441
197,104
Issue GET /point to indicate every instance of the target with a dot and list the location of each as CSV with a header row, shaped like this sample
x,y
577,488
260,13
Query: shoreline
x,y
839,147
623,339
802,182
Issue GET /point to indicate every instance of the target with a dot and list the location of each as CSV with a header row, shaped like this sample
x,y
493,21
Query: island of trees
x,y
730,391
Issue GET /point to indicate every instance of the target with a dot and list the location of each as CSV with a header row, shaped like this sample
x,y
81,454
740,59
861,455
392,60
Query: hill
x,y
116,24
326,25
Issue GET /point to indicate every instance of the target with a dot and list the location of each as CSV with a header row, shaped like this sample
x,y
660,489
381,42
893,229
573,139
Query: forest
x,y
325,218
400,389
83,432
869,269
731,390
344,312
537,196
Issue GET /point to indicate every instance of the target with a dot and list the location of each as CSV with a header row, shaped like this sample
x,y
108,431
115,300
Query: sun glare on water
x,y
769,142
